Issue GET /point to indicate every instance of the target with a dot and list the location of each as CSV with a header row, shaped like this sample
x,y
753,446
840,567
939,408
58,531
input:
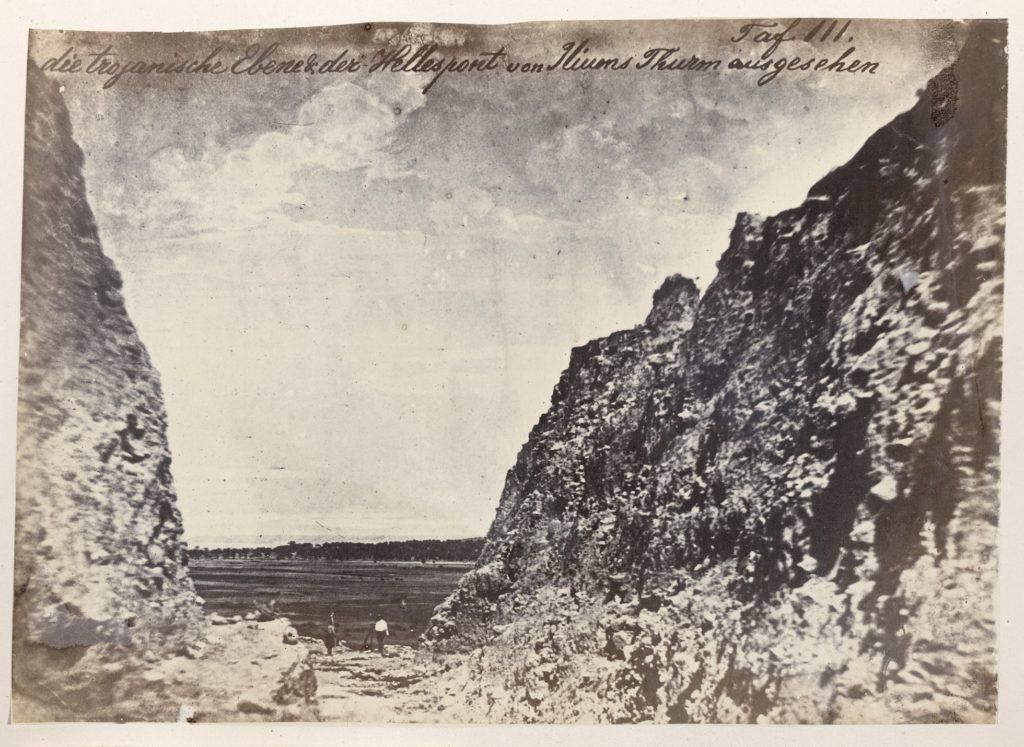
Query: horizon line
x,y
231,543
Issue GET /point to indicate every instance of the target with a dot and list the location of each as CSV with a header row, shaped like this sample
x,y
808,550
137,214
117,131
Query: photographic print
x,y
563,372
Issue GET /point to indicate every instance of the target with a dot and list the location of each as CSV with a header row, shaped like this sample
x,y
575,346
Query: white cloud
x,y
343,128
470,208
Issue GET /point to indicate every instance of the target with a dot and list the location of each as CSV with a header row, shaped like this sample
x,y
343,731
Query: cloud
x,y
470,208
342,128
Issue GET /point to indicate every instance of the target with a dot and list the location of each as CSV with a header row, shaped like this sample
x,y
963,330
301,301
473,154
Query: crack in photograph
x,y
567,372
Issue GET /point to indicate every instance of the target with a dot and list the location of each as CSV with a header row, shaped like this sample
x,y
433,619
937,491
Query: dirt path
x,y
364,687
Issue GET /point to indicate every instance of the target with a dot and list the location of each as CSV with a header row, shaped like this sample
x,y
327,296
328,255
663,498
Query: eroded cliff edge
x,y
107,623
778,502
99,563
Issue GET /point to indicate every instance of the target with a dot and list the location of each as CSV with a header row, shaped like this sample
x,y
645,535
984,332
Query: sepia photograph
x,y
561,372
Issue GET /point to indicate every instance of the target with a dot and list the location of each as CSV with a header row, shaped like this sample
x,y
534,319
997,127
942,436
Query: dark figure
x,y
381,630
126,435
330,640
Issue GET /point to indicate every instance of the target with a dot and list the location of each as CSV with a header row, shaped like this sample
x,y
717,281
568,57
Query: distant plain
x,y
307,591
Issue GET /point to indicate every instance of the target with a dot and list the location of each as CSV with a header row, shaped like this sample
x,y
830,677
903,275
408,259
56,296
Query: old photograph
x,y
575,372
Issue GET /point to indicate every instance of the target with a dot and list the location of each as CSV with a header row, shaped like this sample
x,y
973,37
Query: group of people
x,y
379,631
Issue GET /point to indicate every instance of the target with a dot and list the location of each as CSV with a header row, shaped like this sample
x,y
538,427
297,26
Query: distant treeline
x,y
411,550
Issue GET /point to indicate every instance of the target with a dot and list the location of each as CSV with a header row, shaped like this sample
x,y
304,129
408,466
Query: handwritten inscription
x,y
774,36
763,51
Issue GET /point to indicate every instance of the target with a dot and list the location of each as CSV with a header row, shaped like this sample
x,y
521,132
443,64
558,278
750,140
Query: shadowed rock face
x,y
100,568
778,503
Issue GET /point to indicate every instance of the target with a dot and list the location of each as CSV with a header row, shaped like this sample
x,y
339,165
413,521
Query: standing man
x,y
331,639
381,629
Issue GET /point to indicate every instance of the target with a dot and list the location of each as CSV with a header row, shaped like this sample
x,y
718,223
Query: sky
x,y
360,297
